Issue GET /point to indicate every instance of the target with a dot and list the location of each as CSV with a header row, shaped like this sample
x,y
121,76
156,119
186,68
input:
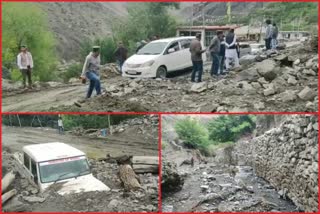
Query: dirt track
x,y
15,138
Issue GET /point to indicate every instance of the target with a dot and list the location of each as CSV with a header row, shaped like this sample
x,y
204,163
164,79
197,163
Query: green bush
x,y
25,23
230,127
192,133
72,71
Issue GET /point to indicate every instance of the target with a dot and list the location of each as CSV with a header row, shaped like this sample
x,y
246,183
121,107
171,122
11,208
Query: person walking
x,y
91,71
274,37
196,58
25,64
231,51
268,36
121,55
214,49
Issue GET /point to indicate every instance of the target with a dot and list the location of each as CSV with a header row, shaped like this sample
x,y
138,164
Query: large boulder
x,y
172,181
198,87
250,75
247,59
266,69
307,94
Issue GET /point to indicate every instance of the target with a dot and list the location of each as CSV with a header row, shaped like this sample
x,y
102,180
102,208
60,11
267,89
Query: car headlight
x,y
147,64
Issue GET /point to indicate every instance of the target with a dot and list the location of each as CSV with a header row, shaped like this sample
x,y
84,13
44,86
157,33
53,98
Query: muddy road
x,y
129,142
216,187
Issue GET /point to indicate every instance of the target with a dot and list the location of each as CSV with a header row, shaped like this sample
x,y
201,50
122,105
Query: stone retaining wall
x,y
287,157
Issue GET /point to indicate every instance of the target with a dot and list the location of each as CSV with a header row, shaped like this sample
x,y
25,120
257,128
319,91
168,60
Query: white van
x,y
159,57
50,163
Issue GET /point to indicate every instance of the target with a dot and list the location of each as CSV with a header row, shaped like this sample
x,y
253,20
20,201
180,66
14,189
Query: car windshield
x,y
154,48
61,169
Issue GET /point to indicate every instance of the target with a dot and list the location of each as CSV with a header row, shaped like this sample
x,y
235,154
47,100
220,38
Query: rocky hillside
x,y
76,21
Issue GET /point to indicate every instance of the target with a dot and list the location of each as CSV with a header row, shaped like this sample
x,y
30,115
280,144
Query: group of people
x,y
223,50
271,38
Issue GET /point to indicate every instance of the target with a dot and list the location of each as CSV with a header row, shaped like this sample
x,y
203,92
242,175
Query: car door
x,y
185,53
172,60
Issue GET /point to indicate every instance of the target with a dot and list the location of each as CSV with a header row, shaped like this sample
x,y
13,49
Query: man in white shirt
x,y
60,125
231,51
25,64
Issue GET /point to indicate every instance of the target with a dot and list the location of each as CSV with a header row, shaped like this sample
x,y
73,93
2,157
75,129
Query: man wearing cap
x,y
91,71
196,57
25,64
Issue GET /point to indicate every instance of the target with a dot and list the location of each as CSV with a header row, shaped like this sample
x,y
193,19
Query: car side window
x,y
26,161
175,46
185,44
34,171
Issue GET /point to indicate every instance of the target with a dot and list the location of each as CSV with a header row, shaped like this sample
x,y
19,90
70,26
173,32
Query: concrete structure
x,y
250,33
207,32
293,35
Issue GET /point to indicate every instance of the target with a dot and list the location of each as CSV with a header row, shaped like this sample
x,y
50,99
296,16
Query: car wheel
x,y
162,72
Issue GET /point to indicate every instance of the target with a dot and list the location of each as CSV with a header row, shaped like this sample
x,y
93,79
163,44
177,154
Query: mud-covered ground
x,y
286,81
218,187
138,136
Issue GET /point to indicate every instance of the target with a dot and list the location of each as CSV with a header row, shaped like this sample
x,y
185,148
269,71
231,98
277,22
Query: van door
x,y
186,54
172,60
34,171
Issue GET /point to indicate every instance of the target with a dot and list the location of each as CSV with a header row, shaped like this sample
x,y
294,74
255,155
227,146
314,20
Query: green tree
x,y
230,127
192,133
26,23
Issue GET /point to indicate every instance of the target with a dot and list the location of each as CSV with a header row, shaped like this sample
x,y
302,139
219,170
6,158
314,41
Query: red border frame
x,y
163,113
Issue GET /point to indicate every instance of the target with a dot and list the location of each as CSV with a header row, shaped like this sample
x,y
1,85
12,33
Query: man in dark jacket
x,y
214,48
222,54
196,57
121,55
268,36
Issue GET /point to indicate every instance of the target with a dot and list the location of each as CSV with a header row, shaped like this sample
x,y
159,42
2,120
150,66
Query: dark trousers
x,y
197,67
120,63
60,128
222,58
268,43
215,64
26,73
94,83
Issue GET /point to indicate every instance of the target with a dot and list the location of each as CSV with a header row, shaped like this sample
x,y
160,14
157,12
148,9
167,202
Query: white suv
x,y
159,57
49,163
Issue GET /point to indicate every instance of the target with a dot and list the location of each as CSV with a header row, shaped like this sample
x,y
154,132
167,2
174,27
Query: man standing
x,y
25,64
268,36
222,55
214,48
196,57
274,37
91,71
231,51
121,55
60,125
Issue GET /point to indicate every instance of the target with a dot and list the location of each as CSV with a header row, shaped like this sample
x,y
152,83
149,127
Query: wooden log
x,y
6,196
145,160
141,168
129,178
7,180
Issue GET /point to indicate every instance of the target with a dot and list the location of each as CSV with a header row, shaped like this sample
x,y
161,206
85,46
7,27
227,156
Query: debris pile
x,y
171,180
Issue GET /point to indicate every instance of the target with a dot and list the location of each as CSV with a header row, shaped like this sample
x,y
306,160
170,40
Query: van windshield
x,y
61,169
154,48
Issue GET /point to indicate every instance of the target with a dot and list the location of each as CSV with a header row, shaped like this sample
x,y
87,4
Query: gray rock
x,y
266,69
307,94
270,90
292,80
247,59
309,72
288,96
113,204
33,199
198,87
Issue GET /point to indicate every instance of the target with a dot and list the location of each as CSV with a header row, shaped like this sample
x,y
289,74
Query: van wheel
x,y
162,72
